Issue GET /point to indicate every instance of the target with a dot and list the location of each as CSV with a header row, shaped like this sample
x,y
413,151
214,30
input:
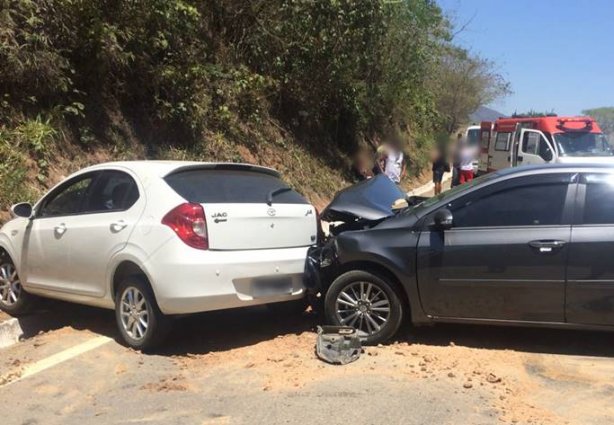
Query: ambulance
x,y
524,140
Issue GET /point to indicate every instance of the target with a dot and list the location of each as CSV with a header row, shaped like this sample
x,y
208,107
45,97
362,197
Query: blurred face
x,y
397,144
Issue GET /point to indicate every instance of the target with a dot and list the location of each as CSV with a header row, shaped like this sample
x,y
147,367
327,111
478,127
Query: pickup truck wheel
x,y
141,323
366,302
14,300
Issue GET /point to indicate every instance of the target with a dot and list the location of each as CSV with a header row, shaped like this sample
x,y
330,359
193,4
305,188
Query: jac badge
x,y
220,217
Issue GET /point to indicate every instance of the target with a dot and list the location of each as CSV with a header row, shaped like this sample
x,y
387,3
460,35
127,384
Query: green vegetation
x,y
465,83
605,118
294,84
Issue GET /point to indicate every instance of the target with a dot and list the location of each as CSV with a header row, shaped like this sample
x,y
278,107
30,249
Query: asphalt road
x,y
248,366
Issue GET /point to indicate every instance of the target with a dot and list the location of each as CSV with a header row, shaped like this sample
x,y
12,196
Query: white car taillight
x,y
188,222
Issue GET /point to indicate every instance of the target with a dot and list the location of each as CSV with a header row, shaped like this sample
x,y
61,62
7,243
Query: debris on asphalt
x,y
166,385
338,344
492,378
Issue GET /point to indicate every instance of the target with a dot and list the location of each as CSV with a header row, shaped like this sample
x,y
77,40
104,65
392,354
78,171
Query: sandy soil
x,y
288,362
512,375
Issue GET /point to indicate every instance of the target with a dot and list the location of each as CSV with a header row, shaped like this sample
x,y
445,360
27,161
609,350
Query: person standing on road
x,y
393,161
466,156
456,161
363,165
440,166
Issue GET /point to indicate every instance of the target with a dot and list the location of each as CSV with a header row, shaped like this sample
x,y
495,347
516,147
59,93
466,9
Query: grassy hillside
x,y
299,85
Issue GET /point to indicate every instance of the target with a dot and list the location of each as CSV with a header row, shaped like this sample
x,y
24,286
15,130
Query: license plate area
x,y
271,286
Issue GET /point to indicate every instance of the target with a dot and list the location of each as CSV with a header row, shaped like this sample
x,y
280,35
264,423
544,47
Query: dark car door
x,y
590,274
505,256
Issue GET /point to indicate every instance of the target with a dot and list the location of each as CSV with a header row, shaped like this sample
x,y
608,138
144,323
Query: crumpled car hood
x,y
369,199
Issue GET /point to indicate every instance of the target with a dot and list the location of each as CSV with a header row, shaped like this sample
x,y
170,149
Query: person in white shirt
x,y
393,161
466,156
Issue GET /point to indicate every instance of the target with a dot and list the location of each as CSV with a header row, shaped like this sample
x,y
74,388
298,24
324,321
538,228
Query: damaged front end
x,y
363,205
317,269
358,207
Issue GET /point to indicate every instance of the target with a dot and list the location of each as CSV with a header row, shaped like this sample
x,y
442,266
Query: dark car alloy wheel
x,y
363,306
366,301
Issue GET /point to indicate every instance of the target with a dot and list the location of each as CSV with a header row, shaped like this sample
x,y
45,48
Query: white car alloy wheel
x,y
134,313
10,286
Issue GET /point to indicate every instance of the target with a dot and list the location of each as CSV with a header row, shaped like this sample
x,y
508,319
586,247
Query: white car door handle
x,y
60,229
118,226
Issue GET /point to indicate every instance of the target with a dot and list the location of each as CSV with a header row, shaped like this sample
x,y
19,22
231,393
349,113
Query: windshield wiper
x,y
269,197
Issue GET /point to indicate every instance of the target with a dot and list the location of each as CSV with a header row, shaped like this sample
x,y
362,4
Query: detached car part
x,y
338,344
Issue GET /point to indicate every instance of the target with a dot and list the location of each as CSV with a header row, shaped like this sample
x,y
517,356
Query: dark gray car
x,y
523,246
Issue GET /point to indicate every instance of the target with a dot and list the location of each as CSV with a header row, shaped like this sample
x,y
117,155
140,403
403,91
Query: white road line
x,y
61,357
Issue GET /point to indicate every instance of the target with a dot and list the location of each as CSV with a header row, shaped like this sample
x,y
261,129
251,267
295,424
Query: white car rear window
x,y
205,186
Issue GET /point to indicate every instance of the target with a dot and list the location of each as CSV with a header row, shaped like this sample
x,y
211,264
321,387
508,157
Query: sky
x,y
557,54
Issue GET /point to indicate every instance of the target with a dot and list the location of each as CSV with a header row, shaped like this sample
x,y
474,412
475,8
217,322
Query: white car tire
x,y
140,322
14,300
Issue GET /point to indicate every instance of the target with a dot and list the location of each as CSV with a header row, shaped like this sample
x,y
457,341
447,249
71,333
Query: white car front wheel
x,y
13,298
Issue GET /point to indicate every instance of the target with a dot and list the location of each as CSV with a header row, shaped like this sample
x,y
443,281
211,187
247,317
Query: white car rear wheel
x,y
140,321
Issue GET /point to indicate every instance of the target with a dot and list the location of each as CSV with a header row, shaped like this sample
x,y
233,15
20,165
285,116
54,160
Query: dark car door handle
x,y
547,246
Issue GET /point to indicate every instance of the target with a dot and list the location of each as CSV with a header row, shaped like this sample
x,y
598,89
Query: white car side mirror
x,y
23,209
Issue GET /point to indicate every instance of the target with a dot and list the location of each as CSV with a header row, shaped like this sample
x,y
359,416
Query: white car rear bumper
x,y
187,280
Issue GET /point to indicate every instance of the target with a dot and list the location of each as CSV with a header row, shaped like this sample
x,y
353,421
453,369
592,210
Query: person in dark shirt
x,y
456,161
440,166
363,167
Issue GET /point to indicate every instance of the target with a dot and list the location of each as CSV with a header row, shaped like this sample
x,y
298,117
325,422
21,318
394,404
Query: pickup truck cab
x,y
472,135
527,140
522,246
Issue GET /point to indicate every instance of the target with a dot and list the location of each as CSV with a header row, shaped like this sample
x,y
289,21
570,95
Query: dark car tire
x,y
389,292
24,302
289,308
135,335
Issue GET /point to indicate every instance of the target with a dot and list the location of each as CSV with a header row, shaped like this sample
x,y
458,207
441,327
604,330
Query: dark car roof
x,y
508,173
528,169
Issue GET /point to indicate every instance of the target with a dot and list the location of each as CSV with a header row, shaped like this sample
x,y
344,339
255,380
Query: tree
x,y
464,82
604,116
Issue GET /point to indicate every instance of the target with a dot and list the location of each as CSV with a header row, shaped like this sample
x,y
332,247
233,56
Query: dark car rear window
x,y
230,186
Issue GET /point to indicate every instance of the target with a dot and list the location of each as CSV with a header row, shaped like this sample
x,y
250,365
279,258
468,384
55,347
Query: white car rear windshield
x,y
204,186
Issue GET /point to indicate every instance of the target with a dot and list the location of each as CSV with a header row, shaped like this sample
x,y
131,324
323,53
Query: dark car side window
x,y
525,201
68,199
599,199
113,191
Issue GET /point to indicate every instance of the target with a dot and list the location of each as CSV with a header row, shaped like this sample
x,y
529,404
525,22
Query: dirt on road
x,y
241,366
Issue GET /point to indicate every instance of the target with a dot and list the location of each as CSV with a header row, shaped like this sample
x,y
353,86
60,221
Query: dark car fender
x,y
390,252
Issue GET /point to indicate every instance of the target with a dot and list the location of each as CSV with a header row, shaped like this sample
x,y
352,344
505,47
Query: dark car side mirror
x,y
23,209
443,220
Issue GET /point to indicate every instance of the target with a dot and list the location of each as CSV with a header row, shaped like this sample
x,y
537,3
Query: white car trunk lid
x,y
260,226
247,207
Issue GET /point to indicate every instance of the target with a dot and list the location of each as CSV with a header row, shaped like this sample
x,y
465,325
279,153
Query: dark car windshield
x,y
583,144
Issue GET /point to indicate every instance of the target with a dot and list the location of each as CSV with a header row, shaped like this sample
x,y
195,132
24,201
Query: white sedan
x,y
152,239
